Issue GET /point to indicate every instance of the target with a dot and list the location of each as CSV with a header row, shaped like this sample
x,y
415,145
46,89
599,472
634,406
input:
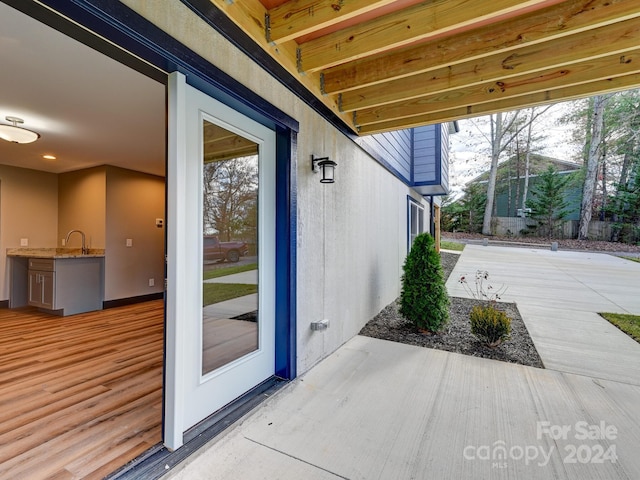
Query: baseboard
x,y
121,302
4,303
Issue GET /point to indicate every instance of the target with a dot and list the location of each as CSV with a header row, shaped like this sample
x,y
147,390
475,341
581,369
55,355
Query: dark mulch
x,y
456,335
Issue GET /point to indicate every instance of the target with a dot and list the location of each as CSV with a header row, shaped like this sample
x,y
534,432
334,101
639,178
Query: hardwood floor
x,y
225,340
80,396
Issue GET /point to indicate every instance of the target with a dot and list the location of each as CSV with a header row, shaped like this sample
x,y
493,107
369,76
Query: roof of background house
x,y
537,164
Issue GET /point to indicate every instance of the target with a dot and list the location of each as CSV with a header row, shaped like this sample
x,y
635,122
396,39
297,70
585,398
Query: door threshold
x,y
158,460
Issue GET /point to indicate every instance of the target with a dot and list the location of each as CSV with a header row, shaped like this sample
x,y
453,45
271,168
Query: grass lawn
x,y
221,272
633,259
629,324
219,292
452,245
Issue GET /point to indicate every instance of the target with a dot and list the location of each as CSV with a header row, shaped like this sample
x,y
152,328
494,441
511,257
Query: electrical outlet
x,y
24,242
64,242
129,242
152,282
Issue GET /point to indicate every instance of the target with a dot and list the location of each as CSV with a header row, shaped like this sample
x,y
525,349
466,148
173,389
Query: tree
x,y
473,205
504,129
527,161
547,203
497,146
594,155
230,194
424,300
623,151
465,213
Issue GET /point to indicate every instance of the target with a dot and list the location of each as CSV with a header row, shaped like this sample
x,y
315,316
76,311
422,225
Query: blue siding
x,y
444,164
393,149
425,154
431,160
419,156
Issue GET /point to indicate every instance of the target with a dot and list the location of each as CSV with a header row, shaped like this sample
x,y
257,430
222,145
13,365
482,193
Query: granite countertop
x,y
53,252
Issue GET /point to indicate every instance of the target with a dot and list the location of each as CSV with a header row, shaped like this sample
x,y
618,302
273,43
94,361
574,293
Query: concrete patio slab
x,y
559,295
376,409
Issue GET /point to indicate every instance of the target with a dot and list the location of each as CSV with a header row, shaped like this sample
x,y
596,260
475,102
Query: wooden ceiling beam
x,y
249,15
576,75
445,59
513,103
559,52
552,22
300,17
406,26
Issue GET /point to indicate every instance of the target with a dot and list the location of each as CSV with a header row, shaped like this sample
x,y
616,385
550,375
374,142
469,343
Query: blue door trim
x,y
135,35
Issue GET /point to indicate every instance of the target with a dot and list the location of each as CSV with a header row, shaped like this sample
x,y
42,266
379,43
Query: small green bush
x,y
490,325
424,300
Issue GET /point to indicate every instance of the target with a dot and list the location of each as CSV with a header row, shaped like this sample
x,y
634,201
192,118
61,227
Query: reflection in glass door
x,y
230,176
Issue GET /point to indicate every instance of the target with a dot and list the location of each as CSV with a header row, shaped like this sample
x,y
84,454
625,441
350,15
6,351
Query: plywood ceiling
x,y
385,65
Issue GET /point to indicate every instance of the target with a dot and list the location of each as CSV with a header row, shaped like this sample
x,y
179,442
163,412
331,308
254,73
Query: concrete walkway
x,y
383,410
558,295
250,277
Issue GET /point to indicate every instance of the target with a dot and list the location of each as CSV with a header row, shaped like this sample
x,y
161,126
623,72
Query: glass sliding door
x,y
221,257
231,319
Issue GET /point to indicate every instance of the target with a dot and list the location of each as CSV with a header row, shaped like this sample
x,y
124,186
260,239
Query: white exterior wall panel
x,y
351,235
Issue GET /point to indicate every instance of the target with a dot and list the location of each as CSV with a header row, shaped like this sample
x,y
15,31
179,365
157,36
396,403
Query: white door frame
x,y
190,396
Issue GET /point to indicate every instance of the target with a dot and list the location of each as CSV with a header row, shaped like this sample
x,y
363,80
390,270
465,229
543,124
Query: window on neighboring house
x,y
416,220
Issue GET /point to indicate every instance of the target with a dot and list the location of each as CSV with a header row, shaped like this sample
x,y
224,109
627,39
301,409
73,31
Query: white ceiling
x,y
89,109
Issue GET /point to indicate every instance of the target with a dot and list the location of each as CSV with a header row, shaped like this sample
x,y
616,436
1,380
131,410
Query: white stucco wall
x,y
351,234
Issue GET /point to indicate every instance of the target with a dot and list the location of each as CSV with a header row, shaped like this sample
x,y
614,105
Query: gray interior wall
x,y
133,203
81,206
28,209
111,205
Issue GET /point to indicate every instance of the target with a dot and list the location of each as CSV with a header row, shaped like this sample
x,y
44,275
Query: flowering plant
x,y
483,289
488,324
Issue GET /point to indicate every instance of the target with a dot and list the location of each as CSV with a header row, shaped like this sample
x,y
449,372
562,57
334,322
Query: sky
x,y
469,149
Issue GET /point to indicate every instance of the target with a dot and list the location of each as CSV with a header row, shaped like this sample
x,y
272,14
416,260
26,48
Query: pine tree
x,y
547,202
424,300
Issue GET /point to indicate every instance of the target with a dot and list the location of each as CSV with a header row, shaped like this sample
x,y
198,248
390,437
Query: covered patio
x,y
377,409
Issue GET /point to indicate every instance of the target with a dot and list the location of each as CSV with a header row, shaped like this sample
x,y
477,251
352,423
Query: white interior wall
x,y
351,235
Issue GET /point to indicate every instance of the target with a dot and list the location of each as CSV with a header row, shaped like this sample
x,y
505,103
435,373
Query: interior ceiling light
x,y
15,134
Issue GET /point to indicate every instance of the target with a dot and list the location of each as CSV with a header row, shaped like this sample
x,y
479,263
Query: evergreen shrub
x,y
490,325
424,300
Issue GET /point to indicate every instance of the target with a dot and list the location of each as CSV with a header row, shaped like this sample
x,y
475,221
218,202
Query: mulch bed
x,y
456,335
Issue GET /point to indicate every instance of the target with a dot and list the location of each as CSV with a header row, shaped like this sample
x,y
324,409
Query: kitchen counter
x,y
61,281
26,252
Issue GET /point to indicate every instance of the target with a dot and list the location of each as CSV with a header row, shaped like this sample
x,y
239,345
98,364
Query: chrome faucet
x,y
85,250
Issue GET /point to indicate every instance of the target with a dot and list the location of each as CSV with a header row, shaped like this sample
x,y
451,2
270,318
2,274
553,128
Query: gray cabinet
x,y
41,288
66,286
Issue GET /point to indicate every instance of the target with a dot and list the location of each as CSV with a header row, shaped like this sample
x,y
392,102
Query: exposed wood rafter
x,y
392,64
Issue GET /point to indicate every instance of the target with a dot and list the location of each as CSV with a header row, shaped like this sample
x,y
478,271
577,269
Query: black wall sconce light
x,y
326,166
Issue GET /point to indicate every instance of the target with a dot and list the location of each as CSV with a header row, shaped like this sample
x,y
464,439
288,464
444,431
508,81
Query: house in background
x,y
133,95
510,184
